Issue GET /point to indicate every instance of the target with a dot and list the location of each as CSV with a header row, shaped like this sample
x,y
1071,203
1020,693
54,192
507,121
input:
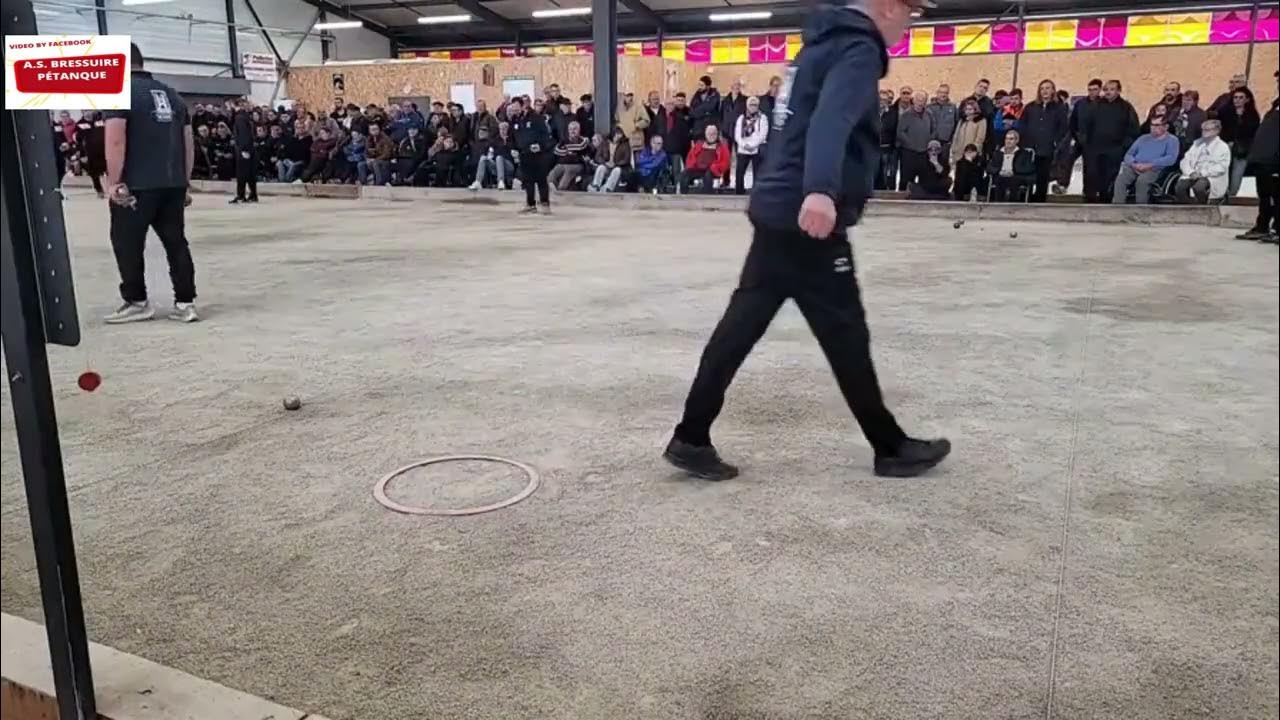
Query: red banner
x,y
85,74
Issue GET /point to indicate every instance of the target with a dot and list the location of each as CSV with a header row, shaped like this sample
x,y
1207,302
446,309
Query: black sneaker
x,y
699,460
1253,234
235,201
1270,239
914,458
252,199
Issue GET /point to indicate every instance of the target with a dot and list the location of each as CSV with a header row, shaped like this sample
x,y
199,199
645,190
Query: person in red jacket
x,y
708,159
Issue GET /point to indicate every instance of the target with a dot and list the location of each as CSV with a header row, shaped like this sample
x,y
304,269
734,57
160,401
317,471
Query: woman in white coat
x,y
749,134
1205,168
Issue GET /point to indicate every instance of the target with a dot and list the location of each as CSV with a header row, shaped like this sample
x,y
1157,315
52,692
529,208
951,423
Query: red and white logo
x,y
63,72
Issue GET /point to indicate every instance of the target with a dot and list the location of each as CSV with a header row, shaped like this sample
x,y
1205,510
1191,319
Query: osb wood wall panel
x,y
1142,70
375,83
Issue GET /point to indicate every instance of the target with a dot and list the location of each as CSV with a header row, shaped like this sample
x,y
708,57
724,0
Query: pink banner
x,y
903,46
697,51
1005,38
1104,32
1268,26
944,40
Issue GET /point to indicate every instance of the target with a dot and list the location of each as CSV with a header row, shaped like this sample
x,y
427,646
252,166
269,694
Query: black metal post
x,y
37,306
1022,39
324,40
232,45
1253,31
263,32
101,11
604,42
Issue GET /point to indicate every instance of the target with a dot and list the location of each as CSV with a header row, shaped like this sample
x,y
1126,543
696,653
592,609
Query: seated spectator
x,y
651,163
381,152
355,159
970,175
223,153
708,159
265,151
323,149
293,153
1206,167
409,155
1149,155
1012,168
203,167
617,164
570,155
935,176
1187,125
494,158
449,163
750,131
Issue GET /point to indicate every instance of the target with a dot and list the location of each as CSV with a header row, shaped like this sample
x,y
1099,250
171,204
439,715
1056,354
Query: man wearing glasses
x,y
1149,155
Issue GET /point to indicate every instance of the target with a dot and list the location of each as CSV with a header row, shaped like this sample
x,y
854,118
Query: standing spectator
x,y
570,154
750,132
459,125
1009,114
969,173
1012,168
323,148
1239,125
732,106
676,138
1205,167
410,153
1186,126
482,118
981,93
1264,164
1149,155
887,171
935,175
381,154
1172,102
944,116
586,114
1044,126
708,159
1082,109
246,161
1223,101
616,166
92,147
905,94
1108,131
651,163
971,130
704,108
633,119
533,145
915,130
769,100
293,153
657,116
551,107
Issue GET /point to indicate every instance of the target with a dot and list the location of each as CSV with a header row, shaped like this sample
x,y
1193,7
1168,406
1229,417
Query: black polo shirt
x,y
155,144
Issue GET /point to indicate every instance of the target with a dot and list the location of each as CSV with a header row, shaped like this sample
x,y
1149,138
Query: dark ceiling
x,y
497,22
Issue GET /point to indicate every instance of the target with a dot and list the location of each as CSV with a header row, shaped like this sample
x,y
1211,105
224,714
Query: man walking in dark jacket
x,y
246,155
1108,131
1044,127
814,184
1264,164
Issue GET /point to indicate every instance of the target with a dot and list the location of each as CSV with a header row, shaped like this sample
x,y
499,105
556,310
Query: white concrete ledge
x,y
127,687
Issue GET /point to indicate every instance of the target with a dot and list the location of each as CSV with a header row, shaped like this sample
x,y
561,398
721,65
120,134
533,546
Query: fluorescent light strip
x,y
443,19
127,3
734,16
339,25
561,12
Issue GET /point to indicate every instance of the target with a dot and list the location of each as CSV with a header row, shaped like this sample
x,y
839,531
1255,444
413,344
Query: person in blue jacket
x,y
825,152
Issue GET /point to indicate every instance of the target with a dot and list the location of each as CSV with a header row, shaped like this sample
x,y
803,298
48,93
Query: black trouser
x,y
912,165
96,177
246,175
1100,170
1044,167
534,168
690,174
818,275
1005,188
1268,202
740,175
161,210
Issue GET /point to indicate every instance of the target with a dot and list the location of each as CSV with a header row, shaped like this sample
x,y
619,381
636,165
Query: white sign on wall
x,y
258,67
464,94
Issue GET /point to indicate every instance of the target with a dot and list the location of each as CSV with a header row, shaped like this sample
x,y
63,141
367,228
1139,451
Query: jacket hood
x,y
830,21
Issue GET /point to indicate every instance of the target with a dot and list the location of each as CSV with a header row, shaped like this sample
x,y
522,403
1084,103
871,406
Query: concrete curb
x,y
1210,215
127,687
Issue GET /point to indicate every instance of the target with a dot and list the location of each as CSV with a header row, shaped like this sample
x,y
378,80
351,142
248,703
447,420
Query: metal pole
x,y
1022,39
604,43
1253,32
101,12
232,46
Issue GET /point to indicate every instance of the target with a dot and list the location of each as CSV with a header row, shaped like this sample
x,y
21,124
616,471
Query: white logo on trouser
x,y
843,265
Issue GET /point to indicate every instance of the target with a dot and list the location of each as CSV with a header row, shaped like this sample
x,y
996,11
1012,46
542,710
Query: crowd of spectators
x,y
997,146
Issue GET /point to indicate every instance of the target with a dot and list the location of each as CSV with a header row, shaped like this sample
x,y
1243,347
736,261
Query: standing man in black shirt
x,y
815,183
246,155
150,153
533,145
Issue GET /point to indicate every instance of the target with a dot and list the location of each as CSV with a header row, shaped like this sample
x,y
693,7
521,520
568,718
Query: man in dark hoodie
x,y
813,185
704,108
1106,133
1045,125
246,155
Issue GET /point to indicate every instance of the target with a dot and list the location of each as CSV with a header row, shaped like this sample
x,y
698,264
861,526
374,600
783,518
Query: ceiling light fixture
x,y
338,25
735,16
561,12
443,19
143,2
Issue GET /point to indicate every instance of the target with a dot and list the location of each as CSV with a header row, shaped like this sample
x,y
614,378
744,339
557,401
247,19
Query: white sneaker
x,y
474,187
184,312
130,312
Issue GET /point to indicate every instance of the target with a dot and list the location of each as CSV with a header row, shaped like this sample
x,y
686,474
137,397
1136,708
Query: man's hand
x,y
244,154
186,201
535,147
817,215
1141,167
120,195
